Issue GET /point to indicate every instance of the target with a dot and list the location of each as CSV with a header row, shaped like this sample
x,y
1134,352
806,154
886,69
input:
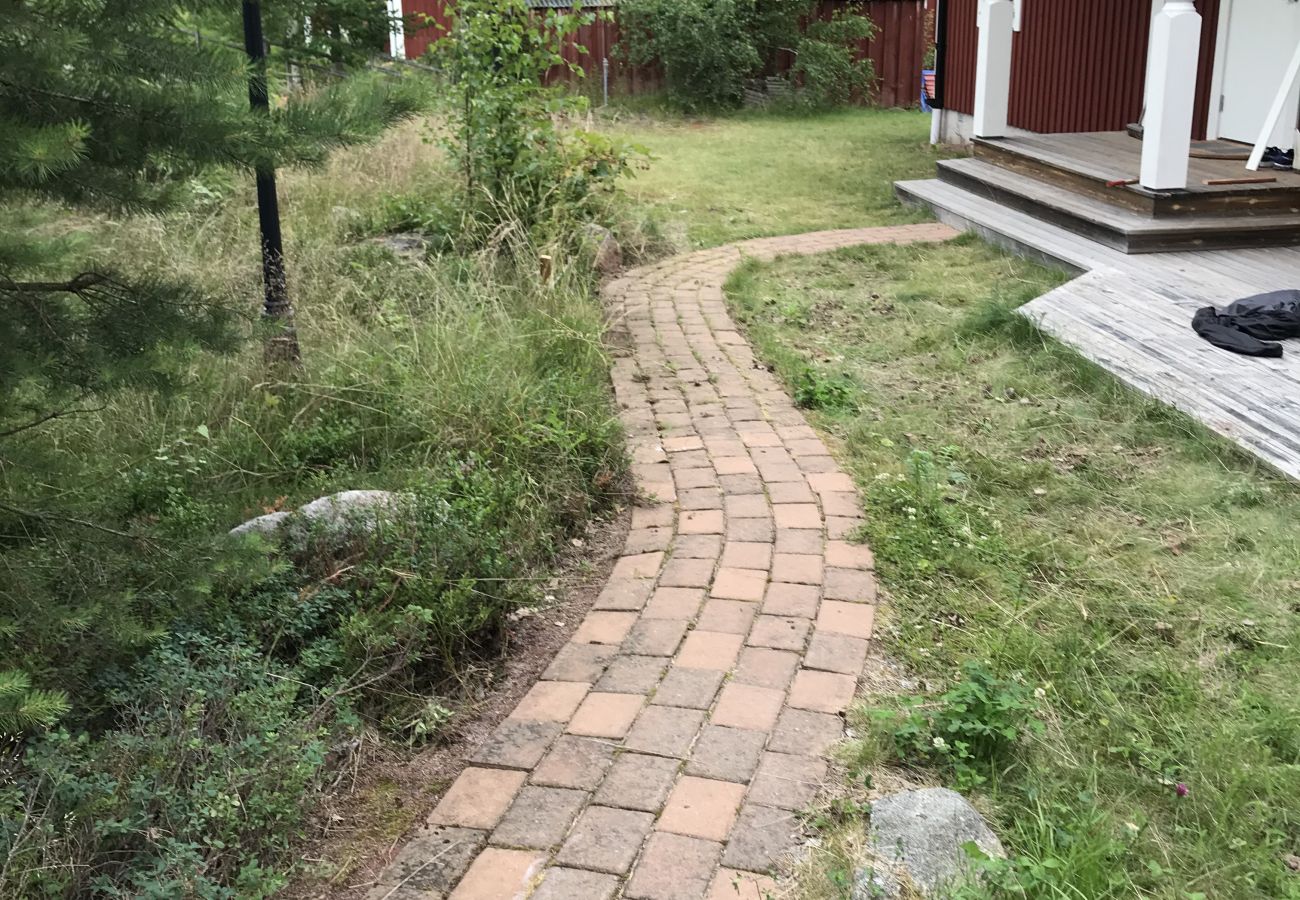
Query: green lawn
x,y
711,182
1135,579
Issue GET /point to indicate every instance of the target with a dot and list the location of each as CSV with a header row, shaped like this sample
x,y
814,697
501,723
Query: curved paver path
x,y
667,748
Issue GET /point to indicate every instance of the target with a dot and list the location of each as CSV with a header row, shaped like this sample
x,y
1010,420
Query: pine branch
x,y
51,416
50,517
75,285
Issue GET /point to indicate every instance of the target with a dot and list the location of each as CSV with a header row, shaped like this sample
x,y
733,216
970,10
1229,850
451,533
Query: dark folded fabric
x,y
1247,326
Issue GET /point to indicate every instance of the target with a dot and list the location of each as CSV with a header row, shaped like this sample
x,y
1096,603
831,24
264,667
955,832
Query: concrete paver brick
x,y
746,555
517,744
478,798
726,754
691,688
849,584
434,860
686,572
624,594
787,781
605,839
638,781
702,808
607,715
792,600
674,867
604,627
764,667
840,617
570,884
807,732
674,603
797,568
844,555
739,584
761,838
631,675
710,650
665,731
702,521
835,653
798,540
797,515
748,706
575,762
550,701
730,616
779,632
539,818
579,662
655,637
755,530
827,692
499,875
638,565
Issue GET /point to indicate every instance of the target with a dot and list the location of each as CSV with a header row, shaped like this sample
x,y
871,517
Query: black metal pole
x,y
276,306
940,54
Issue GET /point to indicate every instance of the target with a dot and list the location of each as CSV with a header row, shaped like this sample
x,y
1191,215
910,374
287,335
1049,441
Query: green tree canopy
x,y
112,103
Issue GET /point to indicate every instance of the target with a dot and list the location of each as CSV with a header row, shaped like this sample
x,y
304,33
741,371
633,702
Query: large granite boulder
x,y
919,837
346,511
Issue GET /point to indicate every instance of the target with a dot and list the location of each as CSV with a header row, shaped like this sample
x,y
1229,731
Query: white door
x,y
1262,38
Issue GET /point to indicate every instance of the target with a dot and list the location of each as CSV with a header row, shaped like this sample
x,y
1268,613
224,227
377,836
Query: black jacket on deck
x,y
1246,325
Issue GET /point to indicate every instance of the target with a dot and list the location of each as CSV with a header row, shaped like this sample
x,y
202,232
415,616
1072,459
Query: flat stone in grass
x,y
918,838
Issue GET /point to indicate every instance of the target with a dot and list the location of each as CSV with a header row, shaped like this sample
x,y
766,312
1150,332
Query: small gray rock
x,y
363,509
919,836
609,254
344,511
404,244
267,524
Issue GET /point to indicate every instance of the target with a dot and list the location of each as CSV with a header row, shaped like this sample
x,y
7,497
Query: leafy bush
x,y
515,163
707,48
825,65
970,729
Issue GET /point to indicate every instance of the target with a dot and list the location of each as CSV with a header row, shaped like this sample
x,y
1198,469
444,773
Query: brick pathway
x,y
666,751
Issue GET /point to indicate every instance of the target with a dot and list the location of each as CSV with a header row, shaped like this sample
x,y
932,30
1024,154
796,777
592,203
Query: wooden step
x,y
1089,174
1125,229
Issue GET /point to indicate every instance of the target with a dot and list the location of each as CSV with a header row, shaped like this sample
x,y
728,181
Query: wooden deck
x,y
1132,315
1113,155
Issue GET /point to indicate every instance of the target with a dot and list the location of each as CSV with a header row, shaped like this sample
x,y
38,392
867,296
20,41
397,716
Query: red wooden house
x,y
1139,123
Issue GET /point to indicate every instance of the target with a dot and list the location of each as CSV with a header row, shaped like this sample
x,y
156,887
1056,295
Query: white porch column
x,y
993,67
397,30
1172,60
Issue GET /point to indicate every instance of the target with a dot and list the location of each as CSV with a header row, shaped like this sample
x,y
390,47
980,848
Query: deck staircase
x,y
1079,194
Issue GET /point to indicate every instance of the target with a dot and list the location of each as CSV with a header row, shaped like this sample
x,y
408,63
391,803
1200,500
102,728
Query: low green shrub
x,y
814,389
970,730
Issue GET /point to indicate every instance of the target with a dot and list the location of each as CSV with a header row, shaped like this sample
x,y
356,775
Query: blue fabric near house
x,y
927,89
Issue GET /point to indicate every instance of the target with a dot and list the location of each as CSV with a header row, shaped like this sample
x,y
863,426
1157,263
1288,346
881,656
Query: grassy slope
x,y
758,175
1063,518
464,378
